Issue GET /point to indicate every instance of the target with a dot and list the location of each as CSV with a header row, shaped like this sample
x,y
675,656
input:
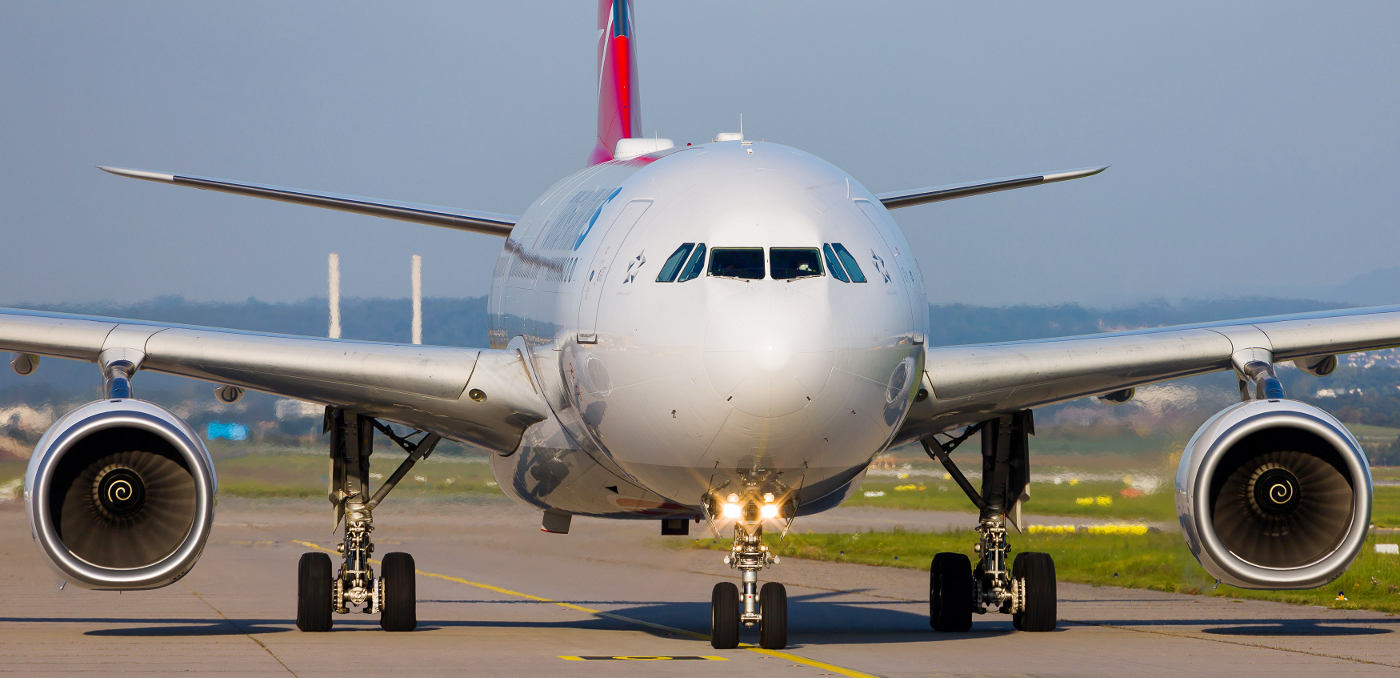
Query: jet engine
x,y
120,495
1274,494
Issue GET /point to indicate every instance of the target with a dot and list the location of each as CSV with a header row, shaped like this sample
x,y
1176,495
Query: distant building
x,y
1335,392
288,408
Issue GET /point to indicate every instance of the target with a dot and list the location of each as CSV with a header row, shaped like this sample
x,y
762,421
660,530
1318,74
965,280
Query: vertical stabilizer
x,y
619,109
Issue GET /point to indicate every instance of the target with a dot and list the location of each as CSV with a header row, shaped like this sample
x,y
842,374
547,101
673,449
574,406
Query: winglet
x,y
1073,174
137,174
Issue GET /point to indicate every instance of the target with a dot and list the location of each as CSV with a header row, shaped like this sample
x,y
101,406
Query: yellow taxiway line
x,y
786,656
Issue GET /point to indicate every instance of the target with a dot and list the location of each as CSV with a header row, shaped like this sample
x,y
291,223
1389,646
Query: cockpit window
x,y
737,262
695,265
833,264
788,263
849,262
673,263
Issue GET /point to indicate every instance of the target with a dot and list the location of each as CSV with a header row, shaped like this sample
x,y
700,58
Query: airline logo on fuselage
x,y
594,219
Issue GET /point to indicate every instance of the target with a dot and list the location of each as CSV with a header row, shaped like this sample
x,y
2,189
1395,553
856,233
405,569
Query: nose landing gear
x,y
765,608
392,594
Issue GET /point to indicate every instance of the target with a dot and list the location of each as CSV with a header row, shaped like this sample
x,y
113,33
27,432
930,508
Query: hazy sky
x,y
1254,146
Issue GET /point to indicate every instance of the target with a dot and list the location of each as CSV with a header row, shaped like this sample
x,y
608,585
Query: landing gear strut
x,y
765,608
1026,589
730,606
392,595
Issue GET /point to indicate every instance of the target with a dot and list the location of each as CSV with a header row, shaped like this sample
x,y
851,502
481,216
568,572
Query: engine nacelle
x,y
1274,494
120,495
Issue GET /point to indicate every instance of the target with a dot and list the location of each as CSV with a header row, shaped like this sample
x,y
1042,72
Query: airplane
x,y
724,332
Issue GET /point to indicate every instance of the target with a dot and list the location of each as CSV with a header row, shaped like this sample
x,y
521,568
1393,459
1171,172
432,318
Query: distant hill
x,y
447,321
1376,288
962,324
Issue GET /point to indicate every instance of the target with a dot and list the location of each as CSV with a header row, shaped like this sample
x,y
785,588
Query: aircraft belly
x,y
547,472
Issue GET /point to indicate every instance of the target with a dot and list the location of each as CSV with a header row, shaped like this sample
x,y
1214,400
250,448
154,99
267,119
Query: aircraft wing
x,y
919,196
972,383
480,396
462,220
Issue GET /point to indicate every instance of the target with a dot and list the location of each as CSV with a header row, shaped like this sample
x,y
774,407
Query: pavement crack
x,y
247,635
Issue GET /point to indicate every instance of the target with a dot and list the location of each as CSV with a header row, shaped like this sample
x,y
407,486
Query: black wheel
x,y
1037,572
772,605
314,592
399,611
950,592
724,616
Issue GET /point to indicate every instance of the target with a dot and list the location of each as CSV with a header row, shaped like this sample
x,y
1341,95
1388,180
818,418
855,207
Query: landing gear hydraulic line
x,y
1024,587
355,586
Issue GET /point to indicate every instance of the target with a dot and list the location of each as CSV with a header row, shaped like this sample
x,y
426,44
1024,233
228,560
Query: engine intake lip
x,y
1240,422
69,431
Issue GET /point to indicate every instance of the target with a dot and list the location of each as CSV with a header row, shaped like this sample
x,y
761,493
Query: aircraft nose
x,y
767,351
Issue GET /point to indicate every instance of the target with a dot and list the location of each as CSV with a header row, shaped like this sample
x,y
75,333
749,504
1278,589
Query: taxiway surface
x,y
497,597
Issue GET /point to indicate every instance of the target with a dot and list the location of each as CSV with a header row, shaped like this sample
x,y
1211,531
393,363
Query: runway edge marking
x,y
779,654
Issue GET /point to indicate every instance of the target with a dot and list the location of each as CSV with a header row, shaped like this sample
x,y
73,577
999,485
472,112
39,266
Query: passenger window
x,y
788,263
852,268
737,262
833,264
673,263
695,266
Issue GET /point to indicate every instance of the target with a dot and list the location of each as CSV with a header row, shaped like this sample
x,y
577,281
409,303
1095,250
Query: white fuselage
x,y
679,388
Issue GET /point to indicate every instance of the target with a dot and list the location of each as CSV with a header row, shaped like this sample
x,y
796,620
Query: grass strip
x,y
1089,499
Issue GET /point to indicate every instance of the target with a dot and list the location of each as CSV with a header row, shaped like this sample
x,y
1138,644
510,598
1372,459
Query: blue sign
x,y
230,431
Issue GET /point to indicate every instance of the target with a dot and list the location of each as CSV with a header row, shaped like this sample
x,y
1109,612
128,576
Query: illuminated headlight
x,y
768,511
731,510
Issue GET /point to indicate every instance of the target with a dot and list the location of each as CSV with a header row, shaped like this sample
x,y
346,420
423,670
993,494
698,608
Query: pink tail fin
x,y
619,107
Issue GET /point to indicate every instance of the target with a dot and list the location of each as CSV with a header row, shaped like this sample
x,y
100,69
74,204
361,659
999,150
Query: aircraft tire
x,y
314,592
399,612
724,616
950,593
772,628
1037,570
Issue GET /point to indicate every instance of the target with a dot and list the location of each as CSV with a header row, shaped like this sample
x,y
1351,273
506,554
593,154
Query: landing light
x,y
750,509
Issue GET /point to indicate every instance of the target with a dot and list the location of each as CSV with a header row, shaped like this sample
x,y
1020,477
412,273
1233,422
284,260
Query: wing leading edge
x,y
919,196
974,382
477,222
480,396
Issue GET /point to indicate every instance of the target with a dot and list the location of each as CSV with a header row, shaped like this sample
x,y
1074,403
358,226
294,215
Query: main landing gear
x,y
1026,589
392,594
731,607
